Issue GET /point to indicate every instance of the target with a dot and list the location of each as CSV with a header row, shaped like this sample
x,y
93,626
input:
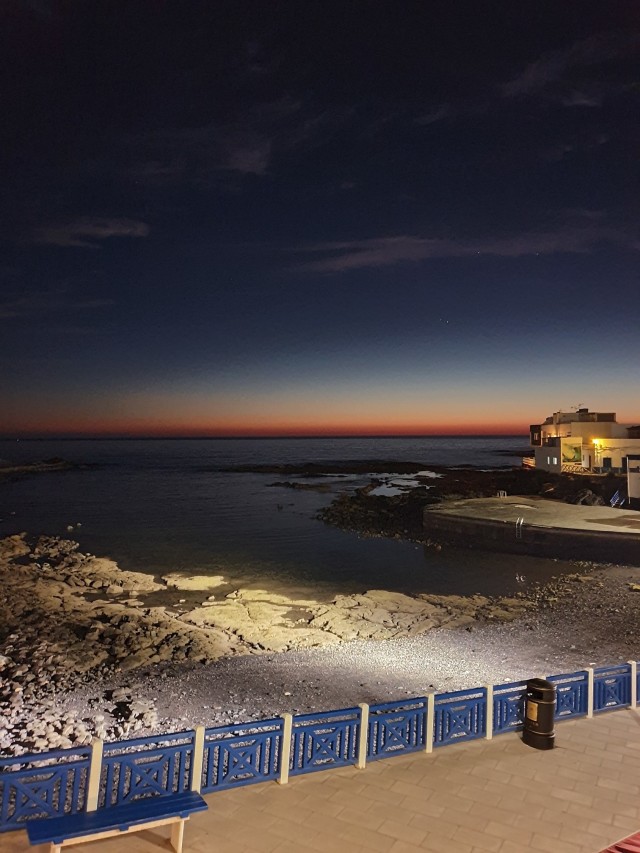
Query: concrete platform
x,y
534,525
497,795
541,512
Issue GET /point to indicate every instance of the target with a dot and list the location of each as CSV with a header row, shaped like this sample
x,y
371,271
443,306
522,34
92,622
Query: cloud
x,y
564,76
47,302
86,231
444,111
576,98
552,67
335,257
244,144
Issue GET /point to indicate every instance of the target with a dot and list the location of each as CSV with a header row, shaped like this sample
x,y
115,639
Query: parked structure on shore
x,y
581,441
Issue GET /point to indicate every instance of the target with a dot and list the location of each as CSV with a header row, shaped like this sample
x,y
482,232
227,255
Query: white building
x,y
583,441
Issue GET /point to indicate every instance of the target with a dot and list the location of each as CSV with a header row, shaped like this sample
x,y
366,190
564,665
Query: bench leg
x,y
55,848
177,834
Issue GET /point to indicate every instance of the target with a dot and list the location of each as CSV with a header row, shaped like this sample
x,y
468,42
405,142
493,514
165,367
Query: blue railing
x,y
611,687
396,727
103,775
45,785
241,754
460,716
508,706
146,767
572,694
325,740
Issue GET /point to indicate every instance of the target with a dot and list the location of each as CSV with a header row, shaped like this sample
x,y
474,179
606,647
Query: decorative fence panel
x,y
611,687
40,786
460,716
146,767
572,694
241,754
508,706
396,727
325,740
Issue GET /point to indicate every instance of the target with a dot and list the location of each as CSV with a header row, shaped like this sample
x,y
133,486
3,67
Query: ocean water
x,y
168,505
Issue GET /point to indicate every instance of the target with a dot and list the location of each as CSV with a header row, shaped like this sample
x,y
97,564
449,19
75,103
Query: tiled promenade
x,y
497,795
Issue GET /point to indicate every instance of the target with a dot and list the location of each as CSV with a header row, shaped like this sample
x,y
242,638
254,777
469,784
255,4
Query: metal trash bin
x,y
539,714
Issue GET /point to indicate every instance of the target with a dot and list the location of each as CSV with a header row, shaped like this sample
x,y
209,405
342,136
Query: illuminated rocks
x,y
74,621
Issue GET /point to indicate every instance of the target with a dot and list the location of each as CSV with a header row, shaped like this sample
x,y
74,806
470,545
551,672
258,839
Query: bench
x,y
63,831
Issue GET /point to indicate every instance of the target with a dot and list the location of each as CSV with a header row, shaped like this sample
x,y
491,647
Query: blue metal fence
x,y
241,754
45,785
396,727
508,706
460,716
146,767
324,740
55,783
572,694
611,687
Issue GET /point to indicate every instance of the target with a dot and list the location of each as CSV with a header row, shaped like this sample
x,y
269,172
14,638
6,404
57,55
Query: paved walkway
x,y
497,795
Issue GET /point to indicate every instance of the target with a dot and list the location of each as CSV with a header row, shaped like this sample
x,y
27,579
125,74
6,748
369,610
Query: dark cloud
x,y
244,144
87,232
47,302
340,256
444,111
551,68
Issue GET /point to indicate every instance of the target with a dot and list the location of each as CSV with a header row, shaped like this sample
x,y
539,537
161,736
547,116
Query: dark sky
x,y
317,217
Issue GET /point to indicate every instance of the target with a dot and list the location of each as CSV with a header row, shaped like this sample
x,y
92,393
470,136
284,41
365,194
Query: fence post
x,y
590,691
95,772
363,737
489,713
431,714
198,759
634,682
285,748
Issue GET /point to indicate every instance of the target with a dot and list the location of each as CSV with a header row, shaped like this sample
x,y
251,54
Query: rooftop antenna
x,y
577,406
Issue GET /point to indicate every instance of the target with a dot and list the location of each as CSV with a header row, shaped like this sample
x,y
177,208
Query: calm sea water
x,y
159,506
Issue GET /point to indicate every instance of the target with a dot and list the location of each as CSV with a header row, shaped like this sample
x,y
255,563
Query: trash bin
x,y
539,714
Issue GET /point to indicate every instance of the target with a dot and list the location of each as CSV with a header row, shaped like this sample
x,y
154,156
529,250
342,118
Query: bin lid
x,y
546,689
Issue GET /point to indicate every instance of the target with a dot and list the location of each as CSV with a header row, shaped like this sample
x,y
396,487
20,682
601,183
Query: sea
x,y
161,506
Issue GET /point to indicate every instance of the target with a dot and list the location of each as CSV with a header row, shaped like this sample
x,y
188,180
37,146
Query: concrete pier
x,y
534,525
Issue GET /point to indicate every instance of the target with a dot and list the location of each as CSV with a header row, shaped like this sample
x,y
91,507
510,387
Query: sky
x,y
285,218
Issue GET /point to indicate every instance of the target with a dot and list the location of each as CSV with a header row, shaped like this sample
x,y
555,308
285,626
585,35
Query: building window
x,y
555,460
606,462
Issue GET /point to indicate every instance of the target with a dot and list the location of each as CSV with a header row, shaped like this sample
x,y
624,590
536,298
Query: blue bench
x,y
63,831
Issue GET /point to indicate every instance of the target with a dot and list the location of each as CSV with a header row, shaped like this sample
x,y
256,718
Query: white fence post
x,y
95,772
363,739
431,715
285,748
489,713
634,682
198,759
590,692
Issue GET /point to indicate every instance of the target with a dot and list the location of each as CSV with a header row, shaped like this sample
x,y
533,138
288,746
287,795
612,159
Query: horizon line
x,y
285,437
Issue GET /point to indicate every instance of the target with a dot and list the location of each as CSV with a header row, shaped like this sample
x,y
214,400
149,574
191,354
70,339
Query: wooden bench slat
x,y
57,829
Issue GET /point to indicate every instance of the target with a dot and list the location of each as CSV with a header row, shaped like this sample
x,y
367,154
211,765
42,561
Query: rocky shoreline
x,y
72,619
87,649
